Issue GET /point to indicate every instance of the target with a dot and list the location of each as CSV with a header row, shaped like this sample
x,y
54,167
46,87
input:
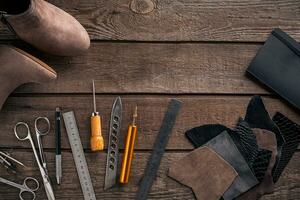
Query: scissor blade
x,y
48,189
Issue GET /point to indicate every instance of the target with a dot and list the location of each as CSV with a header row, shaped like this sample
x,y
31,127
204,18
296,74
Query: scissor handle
x,y
22,192
36,125
16,131
29,187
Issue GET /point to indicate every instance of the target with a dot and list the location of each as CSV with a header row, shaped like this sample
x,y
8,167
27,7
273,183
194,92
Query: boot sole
x,y
44,65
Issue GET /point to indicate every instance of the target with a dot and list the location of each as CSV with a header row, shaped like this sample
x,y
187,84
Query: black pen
x,y
58,145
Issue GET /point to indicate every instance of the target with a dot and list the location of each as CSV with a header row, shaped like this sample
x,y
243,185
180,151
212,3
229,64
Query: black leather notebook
x,y
277,65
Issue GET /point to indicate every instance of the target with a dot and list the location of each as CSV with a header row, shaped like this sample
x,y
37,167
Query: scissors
x,y
25,188
40,160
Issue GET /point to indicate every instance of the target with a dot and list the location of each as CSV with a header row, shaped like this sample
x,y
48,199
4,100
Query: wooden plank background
x,y
193,50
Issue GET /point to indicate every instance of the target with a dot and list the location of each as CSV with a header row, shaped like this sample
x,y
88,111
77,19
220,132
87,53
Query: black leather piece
x,y
226,148
198,136
246,142
291,133
277,65
261,163
258,117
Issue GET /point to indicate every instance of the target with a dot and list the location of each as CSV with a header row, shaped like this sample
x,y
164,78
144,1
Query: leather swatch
x,y
205,172
258,117
246,142
243,138
265,140
200,135
226,148
291,134
261,163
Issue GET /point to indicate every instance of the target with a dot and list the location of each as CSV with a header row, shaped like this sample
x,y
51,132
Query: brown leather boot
x,y
45,26
17,68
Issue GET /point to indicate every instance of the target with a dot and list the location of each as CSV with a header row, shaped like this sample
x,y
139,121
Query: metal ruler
x,y
78,155
113,146
158,149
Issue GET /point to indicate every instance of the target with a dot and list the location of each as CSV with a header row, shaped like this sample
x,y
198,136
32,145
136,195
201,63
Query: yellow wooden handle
x,y
97,142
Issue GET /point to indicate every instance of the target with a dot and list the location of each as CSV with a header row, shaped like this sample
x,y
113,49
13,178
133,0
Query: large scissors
x,y
25,188
39,133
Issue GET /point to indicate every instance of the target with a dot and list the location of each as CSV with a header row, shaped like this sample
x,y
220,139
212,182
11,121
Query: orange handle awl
x,y
97,143
128,153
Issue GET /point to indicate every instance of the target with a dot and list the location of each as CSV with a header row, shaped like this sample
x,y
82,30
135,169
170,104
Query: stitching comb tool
x,y
113,146
129,148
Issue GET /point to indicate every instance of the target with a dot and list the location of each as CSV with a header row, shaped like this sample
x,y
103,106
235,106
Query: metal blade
x,y
113,146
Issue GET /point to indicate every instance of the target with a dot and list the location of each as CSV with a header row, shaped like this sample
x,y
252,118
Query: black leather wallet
x,y
277,65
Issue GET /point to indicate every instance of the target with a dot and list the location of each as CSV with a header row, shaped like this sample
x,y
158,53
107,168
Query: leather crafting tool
x,y
6,161
40,159
226,148
113,145
26,187
129,148
97,142
58,145
78,155
291,133
158,149
203,170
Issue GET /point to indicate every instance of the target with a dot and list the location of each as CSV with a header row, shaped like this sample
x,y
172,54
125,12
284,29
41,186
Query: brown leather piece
x,y
50,29
205,172
265,140
17,68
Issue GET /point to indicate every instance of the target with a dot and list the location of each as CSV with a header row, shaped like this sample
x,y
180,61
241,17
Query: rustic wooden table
x,y
193,50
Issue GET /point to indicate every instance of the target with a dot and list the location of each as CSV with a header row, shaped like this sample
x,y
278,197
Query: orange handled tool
x,y
129,147
97,142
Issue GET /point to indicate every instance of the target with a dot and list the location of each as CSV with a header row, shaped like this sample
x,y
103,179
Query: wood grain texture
x,y
182,20
288,187
196,111
153,68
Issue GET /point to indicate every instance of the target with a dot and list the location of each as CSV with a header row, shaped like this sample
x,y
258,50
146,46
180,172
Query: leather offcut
x,y
205,172
226,148
291,133
258,117
265,140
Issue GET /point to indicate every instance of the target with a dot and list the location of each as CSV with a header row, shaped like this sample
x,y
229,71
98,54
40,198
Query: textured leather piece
x,y
246,142
277,66
205,172
226,148
17,68
291,134
258,117
265,140
49,29
261,163
244,139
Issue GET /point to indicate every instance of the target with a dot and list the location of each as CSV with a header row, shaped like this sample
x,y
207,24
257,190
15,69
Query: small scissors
x,y
41,159
25,188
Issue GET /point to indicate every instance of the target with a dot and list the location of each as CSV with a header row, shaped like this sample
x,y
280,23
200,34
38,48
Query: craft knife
x,y
113,145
